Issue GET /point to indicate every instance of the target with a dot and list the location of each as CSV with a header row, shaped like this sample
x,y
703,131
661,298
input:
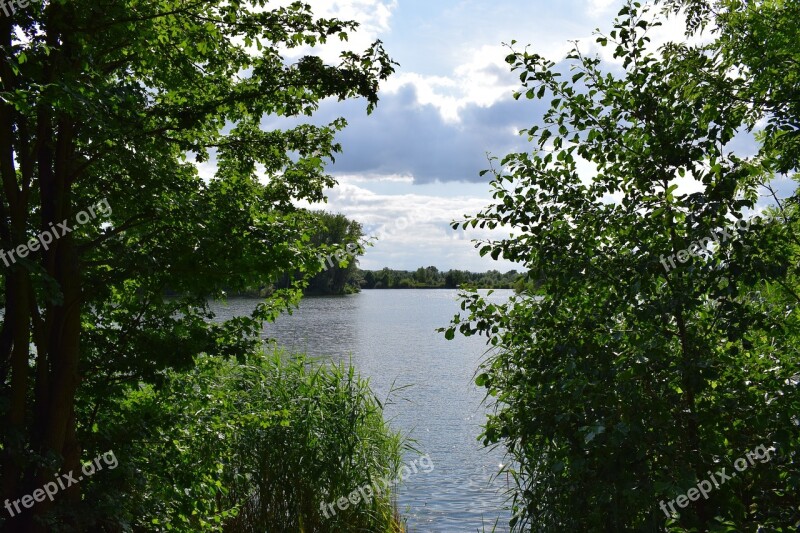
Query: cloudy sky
x,y
419,154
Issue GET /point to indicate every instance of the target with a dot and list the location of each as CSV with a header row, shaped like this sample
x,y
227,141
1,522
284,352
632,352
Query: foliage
x,y
759,40
431,278
626,382
245,447
333,235
108,101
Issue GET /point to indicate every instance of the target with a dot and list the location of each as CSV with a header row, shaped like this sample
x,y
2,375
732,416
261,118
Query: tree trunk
x,y
51,415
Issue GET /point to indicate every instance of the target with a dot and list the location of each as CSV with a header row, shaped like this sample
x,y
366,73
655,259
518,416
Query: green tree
x,y
454,278
427,276
420,276
339,239
106,102
759,38
649,360
405,283
369,279
385,279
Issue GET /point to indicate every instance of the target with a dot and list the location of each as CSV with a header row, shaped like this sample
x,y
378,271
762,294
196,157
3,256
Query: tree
x,y
660,349
343,239
385,279
759,38
369,279
454,278
420,276
105,102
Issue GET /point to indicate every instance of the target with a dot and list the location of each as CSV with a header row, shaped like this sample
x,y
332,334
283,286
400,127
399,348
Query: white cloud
x,y
483,81
381,178
373,17
601,7
414,228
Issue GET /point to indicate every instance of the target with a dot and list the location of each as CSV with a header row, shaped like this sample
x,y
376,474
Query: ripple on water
x,y
390,336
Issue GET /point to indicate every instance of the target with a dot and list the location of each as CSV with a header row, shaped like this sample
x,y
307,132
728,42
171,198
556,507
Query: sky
x,y
413,166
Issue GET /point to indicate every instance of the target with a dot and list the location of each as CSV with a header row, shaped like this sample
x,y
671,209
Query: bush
x,y
632,378
254,446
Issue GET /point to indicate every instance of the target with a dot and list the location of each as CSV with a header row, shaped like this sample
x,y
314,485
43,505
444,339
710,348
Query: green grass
x,y
251,446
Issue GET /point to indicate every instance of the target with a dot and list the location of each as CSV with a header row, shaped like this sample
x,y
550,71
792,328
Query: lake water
x,y
390,337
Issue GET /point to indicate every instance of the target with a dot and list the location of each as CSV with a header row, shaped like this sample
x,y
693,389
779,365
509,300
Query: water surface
x,y
390,337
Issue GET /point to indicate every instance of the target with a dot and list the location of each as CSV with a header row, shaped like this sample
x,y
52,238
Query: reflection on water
x,y
390,337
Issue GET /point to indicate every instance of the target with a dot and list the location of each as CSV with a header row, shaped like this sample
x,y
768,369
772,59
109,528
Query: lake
x,y
390,337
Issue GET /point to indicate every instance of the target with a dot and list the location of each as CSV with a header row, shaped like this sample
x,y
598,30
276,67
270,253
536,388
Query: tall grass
x,y
254,446
331,439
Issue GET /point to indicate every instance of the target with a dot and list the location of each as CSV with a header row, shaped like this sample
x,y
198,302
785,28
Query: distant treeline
x,y
339,242
340,273
432,278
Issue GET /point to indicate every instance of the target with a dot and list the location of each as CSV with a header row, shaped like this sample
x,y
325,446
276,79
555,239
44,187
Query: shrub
x,y
253,446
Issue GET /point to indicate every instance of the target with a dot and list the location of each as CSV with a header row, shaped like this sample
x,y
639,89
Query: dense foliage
x,y
106,102
666,342
342,242
431,278
246,447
